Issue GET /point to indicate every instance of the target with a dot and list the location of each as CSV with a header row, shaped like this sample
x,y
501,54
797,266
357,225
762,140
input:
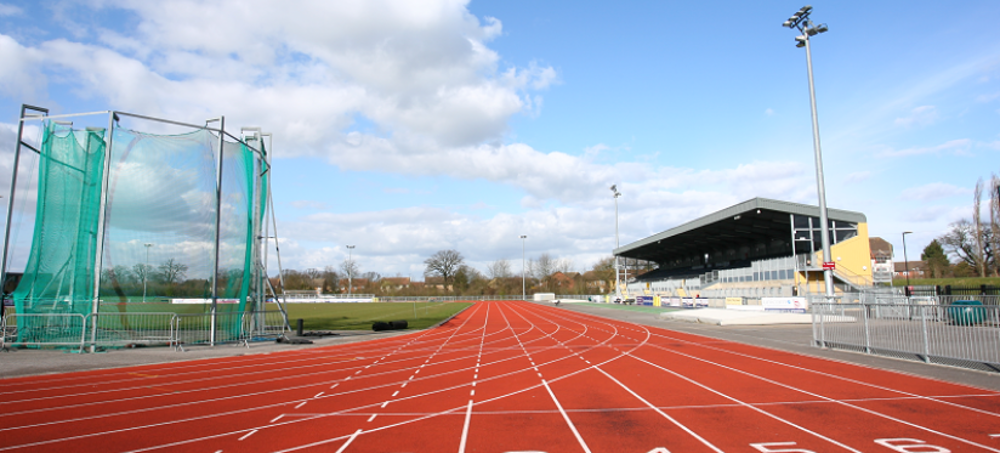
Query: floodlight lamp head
x,y
822,28
614,187
788,23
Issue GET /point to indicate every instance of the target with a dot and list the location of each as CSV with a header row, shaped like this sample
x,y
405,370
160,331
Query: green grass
x,y
361,316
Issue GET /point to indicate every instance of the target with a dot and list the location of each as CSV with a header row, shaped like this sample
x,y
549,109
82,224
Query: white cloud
x,y
309,204
9,10
769,112
933,191
859,176
924,115
959,146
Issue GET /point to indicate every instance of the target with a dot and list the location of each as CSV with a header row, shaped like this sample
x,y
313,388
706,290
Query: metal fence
x,y
118,330
958,335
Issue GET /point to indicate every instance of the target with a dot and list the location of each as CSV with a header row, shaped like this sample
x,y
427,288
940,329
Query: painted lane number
x,y
902,445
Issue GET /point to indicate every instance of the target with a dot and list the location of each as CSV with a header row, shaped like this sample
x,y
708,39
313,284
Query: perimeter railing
x,y
957,335
121,330
55,329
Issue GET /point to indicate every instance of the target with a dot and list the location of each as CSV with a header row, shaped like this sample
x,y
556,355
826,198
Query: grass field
x,y
360,316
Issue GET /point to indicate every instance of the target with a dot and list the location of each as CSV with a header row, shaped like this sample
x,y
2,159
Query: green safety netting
x,y
159,231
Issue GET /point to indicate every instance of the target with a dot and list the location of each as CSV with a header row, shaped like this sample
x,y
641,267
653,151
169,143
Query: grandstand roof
x,y
747,223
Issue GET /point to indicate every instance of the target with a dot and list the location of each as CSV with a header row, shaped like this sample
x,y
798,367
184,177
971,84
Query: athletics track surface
x,y
502,377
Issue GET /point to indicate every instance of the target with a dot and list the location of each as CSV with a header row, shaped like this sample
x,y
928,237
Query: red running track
x,y
503,377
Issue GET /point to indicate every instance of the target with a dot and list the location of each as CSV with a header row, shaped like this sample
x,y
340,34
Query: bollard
x,y
298,329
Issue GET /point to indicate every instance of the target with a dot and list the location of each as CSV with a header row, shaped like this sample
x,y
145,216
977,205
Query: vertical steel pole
x,y
820,185
868,342
13,188
218,227
927,346
618,289
795,260
102,218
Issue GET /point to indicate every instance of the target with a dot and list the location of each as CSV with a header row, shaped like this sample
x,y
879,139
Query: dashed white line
x,y
301,404
385,404
248,434
372,417
319,394
396,393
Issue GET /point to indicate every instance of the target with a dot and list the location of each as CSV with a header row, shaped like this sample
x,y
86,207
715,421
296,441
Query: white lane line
x,y
319,394
465,429
396,393
566,417
404,385
385,404
334,386
248,434
277,418
372,417
301,404
658,411
349,440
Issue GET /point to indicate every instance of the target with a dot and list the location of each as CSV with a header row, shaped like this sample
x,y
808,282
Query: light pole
x,y
800,21
524,292
145,271
350,269
906,264
618,289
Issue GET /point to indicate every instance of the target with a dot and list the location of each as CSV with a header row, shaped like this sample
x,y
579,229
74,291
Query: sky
x,y
408,127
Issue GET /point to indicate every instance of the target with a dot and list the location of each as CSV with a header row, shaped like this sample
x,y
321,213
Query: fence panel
x,y
967,336
53,329
125,329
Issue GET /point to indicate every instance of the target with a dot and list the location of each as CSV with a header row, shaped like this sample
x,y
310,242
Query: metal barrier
x,y
198,329
128,329
54,329
264,324
966,336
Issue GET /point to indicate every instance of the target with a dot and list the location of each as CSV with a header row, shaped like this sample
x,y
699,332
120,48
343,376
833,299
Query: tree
x,y
936,259
499,269
331,281
605,270
465,277
978,233
543,267
350,268
960,242
444,263
172,272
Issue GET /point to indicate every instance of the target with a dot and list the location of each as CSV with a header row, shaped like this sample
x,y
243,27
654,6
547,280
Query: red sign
x,y
829,265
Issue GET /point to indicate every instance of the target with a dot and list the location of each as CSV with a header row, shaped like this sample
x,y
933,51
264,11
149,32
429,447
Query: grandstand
x,y
754,249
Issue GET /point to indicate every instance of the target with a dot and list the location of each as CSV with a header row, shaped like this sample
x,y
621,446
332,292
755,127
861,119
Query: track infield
x,y
503,377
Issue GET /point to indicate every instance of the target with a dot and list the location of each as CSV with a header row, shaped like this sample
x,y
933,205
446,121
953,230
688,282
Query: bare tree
x,y
995,222
172,271
564,265
960,242
543,267
444,263
499,269
978,223
350,268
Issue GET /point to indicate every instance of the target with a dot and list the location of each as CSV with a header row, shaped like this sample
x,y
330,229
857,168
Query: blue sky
x,y
407,127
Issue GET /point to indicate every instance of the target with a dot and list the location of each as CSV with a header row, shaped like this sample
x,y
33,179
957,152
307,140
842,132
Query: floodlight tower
x,y
618,289
800,21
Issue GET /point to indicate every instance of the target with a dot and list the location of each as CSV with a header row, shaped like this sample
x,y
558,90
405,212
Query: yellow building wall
x,y
854,255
